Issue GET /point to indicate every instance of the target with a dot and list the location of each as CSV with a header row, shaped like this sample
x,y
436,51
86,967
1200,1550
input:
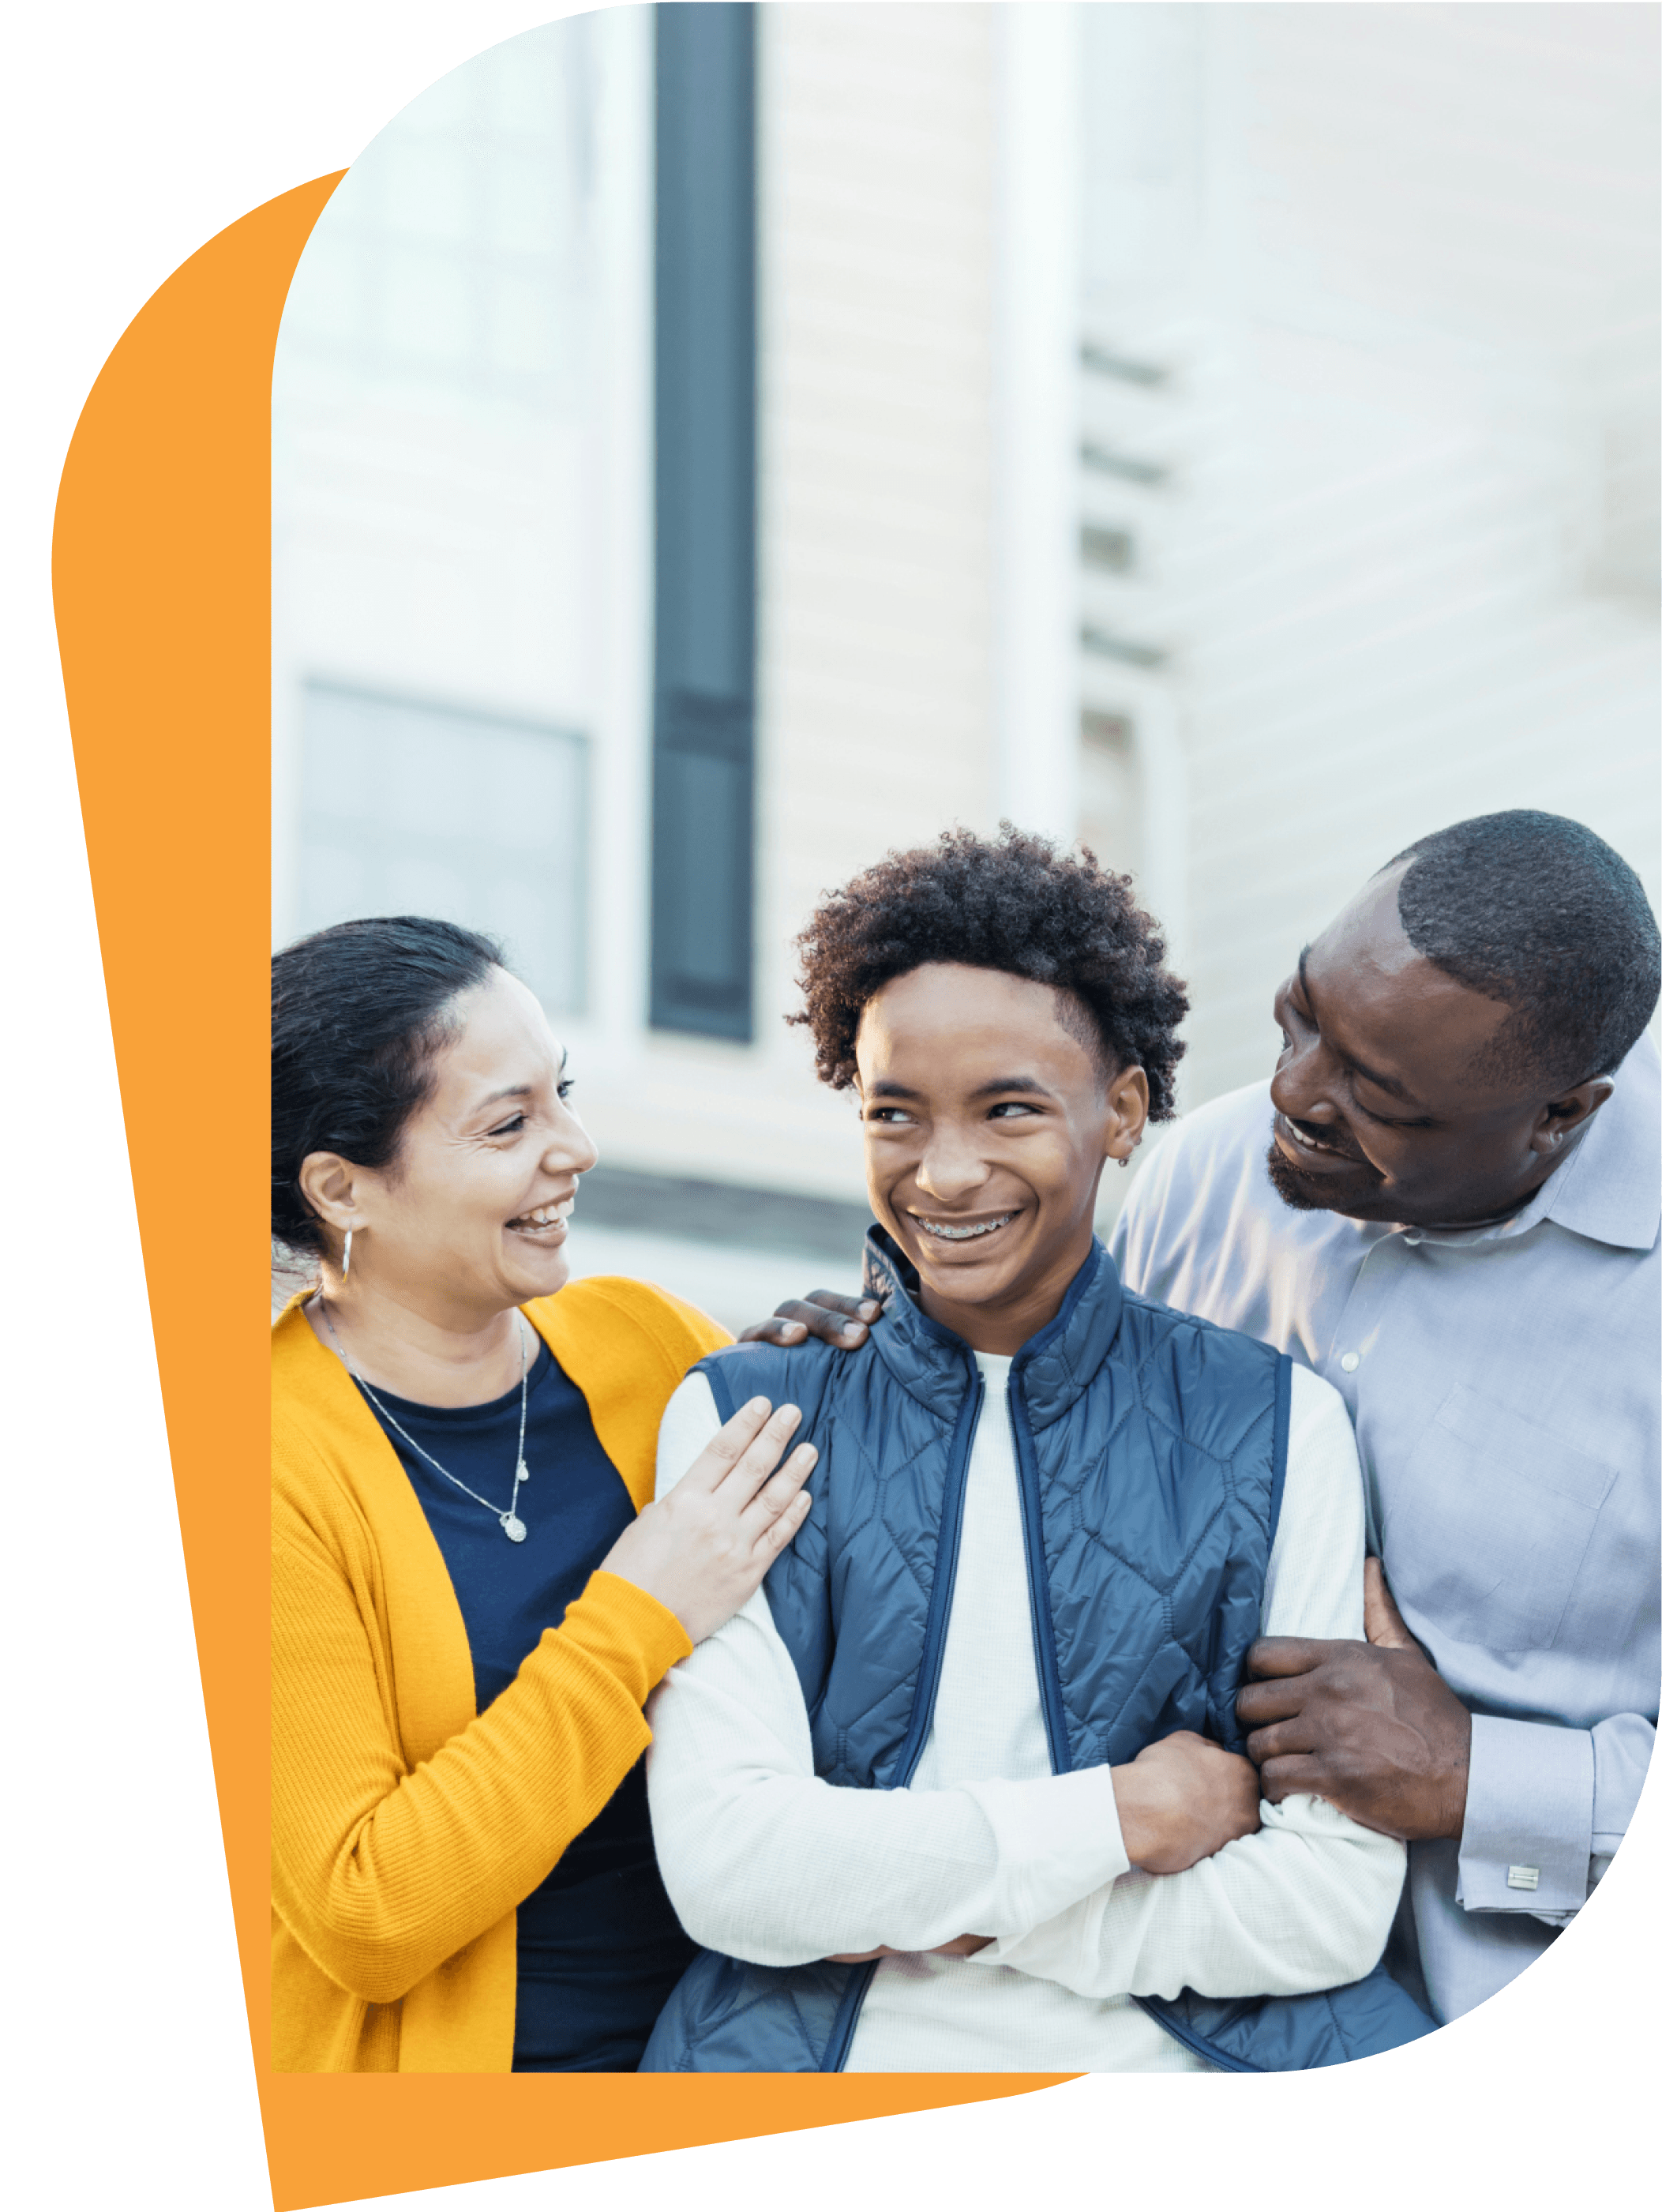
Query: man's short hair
x,y
1534,910
1016,905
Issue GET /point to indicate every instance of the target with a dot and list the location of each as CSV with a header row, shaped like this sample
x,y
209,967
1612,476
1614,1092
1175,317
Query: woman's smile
x,y
546,1223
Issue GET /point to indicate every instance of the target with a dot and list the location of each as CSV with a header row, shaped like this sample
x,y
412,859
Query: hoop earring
x,y
346,1257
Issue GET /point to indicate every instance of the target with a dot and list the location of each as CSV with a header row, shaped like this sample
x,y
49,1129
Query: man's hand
x,y
1182,1799
1381,1622
1372,1728
825,1314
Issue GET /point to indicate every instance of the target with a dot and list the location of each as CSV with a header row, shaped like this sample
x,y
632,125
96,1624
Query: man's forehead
x,y
1383,1001
1368,931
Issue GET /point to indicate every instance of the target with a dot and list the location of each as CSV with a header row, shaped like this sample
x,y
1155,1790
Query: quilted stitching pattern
x,y
1149,1438
1153,1474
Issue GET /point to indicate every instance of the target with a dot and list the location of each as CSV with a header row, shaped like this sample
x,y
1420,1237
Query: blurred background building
x,y
714,444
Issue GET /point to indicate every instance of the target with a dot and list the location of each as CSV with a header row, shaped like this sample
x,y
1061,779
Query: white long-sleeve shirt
x,y
765,1861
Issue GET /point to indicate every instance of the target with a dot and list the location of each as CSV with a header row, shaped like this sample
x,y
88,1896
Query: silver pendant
x,y
513,1528
521,1474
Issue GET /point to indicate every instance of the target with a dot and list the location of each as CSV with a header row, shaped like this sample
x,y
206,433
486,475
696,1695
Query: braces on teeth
x,y
976,1229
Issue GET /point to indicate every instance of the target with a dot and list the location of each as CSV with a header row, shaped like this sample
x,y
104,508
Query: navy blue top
x,y
600,1948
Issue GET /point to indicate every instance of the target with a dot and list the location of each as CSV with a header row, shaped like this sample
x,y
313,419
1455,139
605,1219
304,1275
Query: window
x,y
455,260
1101,546
1111,790
411,808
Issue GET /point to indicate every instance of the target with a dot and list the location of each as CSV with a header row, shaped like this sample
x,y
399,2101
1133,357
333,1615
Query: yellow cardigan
x,y
405,1826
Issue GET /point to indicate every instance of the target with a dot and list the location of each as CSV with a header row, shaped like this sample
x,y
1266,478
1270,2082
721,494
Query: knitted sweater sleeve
x,y
382,1873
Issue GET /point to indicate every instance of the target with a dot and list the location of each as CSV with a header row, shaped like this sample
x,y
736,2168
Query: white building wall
x,y
1037,228
1400,262
877,190
461,450
441,535
439,451
1392,270
875,717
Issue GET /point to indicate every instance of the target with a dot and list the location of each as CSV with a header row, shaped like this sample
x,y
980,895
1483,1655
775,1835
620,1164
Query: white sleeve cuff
x,y
1058,1841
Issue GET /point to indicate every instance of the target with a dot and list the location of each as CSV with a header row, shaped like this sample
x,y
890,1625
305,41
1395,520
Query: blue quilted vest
x,y
1150,1450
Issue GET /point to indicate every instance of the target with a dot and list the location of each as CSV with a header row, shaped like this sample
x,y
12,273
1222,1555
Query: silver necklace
x,y
512,1526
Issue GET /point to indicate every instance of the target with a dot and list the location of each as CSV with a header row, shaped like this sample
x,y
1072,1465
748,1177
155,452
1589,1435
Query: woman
x,y
473,1596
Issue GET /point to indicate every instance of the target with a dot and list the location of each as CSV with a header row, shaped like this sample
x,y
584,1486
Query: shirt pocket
x,y
1486,1533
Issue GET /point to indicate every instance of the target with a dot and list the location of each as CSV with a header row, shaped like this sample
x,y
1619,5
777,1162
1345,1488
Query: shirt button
x,y
1351,1361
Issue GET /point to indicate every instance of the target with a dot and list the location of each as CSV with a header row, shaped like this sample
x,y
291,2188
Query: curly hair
x,y
1016,904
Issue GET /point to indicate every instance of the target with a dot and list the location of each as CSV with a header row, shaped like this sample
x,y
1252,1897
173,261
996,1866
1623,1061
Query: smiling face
x,y
470,1218
987,1124
1377,1114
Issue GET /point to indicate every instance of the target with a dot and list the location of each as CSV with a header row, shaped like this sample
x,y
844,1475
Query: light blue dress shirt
x,y
1504,1385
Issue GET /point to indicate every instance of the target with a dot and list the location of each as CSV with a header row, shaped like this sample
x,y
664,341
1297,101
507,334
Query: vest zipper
x,y
1044,1627
1050,1675
929,1679
940,1596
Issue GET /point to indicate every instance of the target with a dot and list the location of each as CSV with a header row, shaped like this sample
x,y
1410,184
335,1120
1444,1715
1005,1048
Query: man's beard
x,y
1307,1194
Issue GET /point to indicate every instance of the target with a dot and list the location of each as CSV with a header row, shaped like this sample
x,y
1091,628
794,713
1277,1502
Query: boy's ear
x,y
1128,1112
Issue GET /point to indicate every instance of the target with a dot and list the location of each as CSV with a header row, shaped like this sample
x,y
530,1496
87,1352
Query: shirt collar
x,y
1610,1188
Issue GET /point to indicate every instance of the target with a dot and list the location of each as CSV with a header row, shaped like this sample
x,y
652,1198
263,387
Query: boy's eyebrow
x,y
1003,1083
999,1086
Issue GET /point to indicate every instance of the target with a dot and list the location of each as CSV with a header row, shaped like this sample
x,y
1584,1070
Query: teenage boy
x,y
942,1796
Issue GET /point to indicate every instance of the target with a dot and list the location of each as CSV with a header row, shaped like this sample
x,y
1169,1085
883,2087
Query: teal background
x,y
131,135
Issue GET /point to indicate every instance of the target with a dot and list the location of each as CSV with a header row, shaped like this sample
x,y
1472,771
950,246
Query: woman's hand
x,y
702,1549
1182,1799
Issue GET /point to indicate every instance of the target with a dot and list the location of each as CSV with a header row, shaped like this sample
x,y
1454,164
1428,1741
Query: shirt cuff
x,y
1527,1840
1058,1840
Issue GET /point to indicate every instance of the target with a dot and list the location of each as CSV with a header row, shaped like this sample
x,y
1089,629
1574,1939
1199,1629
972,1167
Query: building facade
x,y
714,446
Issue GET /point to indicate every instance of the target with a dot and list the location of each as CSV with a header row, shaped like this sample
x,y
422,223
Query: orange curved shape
x,y
161,579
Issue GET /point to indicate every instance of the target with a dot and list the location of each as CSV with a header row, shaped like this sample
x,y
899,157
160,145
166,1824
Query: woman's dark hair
x,y
1017,905
357,1014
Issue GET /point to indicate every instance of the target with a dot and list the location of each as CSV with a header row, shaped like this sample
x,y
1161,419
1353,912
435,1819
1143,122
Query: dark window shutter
x,y
704,642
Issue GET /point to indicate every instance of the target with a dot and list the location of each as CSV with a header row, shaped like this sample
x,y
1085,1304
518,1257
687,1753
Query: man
x,y
941,1797
1445,1202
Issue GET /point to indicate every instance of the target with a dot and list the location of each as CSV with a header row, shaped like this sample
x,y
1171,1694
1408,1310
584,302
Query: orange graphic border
x,y
162,580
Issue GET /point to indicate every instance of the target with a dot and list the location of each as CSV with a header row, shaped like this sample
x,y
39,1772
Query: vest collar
x,y
932,1364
